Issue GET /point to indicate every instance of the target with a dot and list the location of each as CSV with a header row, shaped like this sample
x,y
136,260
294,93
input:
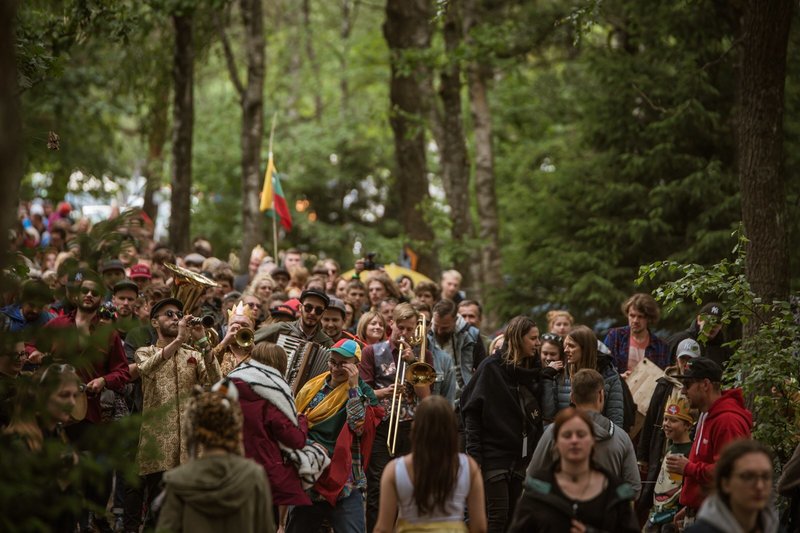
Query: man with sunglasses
x,y
723,418
169,369
308,327
96,352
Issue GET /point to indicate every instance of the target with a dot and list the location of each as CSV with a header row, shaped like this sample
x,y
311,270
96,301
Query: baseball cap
x,y
702,368
337,304
125,284
112,264
283,310
347,348
140,271
688,347
712,309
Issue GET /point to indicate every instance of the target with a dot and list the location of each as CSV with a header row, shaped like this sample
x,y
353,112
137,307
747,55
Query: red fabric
x,y
333,479
282,208
727,419
265,426
111,365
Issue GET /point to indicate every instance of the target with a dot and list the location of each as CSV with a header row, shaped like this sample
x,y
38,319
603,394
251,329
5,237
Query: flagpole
x,y
274,212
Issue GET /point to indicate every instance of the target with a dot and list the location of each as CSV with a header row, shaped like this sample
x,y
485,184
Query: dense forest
x,y
546,149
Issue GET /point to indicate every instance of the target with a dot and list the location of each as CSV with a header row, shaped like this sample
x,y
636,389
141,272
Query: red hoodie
x,y
726,420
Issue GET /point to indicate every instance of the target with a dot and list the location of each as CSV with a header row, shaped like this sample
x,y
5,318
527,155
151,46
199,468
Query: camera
x,y
369,262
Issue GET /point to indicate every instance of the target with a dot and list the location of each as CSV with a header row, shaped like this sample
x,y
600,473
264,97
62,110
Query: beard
x,y
89,308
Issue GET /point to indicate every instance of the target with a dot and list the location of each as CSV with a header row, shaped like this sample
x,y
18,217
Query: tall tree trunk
x,y
344,37
448,128
478,76
252,101
762,72
157,129
308,36
183,125
408,28
11,168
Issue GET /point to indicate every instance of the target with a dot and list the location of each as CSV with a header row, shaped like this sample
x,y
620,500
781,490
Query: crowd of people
x,y
416,418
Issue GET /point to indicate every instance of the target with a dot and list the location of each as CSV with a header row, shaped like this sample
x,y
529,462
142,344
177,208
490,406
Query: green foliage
x,y
765,364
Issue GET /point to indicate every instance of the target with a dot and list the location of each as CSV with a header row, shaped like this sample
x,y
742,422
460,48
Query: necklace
x,y
576,501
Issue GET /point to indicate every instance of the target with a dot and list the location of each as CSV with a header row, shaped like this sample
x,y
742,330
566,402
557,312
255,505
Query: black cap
x,y
712,309
125,284
316,293
112,264
280,271
161,303
702,368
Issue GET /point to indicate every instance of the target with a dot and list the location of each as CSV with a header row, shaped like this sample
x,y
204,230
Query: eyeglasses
x,y
16,356
172,314
253,305
86,291
752,478
315,309
551,337
337,364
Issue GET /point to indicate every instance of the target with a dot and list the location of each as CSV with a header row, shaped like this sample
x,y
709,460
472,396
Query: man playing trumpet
x,y
235,347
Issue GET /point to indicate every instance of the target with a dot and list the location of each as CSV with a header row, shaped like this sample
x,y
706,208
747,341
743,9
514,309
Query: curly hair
x,y
214,420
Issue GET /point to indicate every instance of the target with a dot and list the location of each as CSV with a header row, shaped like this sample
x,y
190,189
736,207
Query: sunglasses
x,y
551,337
88,291
172,314
253,305
315,309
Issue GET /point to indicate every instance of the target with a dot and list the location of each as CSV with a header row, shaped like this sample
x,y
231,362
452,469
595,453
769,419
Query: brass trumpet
x,y
245,337
417,373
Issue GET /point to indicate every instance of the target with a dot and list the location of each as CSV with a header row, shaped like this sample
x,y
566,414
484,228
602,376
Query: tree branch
x,y
230,61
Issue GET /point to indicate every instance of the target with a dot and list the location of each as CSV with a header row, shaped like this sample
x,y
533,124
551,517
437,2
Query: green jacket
x,y
217,493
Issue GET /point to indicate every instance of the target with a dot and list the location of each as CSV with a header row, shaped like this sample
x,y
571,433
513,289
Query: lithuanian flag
x,y
272,198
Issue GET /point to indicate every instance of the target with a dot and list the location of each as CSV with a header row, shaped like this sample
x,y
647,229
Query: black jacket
x,y
713,348
493,417
542,510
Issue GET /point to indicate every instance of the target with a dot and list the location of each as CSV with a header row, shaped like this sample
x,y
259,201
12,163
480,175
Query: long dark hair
x,y
586,339
434,445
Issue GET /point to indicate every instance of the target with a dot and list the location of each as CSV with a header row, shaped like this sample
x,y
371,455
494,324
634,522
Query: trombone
x,y
416,373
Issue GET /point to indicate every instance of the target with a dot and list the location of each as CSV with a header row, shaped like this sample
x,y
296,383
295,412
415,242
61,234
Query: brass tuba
x,y
188,286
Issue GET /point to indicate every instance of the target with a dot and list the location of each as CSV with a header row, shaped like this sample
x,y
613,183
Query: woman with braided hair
x,y
218,489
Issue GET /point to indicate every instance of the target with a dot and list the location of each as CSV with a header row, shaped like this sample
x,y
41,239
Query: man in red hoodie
x,y
723,418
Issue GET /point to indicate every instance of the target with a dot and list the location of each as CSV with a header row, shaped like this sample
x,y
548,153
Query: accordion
x,y
304,360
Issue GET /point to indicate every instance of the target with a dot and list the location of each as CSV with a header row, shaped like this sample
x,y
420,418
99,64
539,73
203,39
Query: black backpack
x,y
630,409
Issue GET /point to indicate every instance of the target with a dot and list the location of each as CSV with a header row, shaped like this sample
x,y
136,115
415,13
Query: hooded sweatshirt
x,y
217,493
727,419
714,516
613,451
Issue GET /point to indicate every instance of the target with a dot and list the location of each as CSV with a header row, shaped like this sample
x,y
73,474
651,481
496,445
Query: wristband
x,y
353,392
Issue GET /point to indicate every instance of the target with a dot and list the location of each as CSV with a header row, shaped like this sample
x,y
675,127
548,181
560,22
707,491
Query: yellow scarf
x,y
327,407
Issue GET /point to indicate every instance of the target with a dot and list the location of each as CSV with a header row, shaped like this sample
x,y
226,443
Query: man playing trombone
x,y
385,367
